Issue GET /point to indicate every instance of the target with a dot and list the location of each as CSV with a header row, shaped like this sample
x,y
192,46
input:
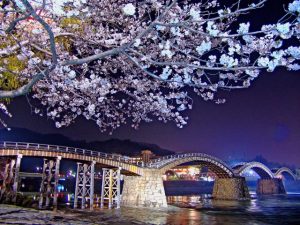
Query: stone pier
x,y
144,191
270,186
230,189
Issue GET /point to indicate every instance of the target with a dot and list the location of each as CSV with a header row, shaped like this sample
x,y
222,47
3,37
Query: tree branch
x,y
24,89
46,26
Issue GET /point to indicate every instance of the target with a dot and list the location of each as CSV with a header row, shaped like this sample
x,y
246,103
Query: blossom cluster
x,y
116,62
4,110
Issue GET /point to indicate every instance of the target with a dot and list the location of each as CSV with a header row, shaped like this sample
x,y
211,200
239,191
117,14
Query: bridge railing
x,y
156,163
65,149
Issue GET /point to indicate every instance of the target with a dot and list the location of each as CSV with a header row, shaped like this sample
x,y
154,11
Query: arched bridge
x,y
262,170
270,181
143,184
284,171
128,166
220,168
76,154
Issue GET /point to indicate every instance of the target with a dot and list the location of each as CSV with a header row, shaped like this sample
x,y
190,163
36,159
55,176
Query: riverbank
x,y
10,214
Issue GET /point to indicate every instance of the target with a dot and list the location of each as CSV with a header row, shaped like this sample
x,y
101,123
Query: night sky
x,y
264,119
261,120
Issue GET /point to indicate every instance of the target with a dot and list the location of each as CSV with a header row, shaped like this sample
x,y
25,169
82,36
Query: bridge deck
x,y
52,151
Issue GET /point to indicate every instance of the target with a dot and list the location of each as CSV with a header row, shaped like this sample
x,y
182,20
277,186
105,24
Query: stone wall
x,y
144,191
270,186
231,189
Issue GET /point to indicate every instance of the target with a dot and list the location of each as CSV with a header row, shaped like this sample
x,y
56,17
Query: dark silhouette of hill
x,y
124,147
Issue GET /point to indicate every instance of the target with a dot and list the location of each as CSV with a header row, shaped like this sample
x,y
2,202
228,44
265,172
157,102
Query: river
x,y
184,210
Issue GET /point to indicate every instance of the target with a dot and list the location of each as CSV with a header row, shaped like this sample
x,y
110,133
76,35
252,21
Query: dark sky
x,y
264,119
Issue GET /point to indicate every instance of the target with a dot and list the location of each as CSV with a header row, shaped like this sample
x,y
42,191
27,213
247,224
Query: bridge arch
x,y
262,170
76,154
220,168
286,172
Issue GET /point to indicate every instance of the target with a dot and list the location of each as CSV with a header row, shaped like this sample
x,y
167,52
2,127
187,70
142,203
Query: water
x,y
184,210
280,209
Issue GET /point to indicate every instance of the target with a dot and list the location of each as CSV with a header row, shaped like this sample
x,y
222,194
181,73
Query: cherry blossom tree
x,y
120,61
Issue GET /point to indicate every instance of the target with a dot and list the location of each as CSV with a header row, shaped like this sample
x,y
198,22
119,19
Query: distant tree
x,y
113,61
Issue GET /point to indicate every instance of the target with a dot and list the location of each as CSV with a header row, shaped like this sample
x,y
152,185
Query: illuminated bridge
x,y
270,181
284,172
77,154
263,171
143,184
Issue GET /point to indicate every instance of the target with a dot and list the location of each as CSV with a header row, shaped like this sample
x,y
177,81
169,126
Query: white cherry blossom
x,y
244,28
118,62
294,6
129,9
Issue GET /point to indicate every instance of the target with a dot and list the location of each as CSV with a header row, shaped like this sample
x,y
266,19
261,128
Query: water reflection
x,y
190,210
253,206
281,209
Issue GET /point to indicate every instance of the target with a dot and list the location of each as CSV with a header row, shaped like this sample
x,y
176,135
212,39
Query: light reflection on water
x,y
193,210
280,209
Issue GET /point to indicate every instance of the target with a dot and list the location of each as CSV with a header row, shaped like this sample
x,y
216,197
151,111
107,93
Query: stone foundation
x,y
144,191
231,189
270,186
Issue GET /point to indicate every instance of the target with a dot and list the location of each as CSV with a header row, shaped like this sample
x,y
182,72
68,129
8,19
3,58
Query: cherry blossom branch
x,y
188,64
153,24
88,59
46,26
10,50
136,61
206,86
252,6
14,23
25,89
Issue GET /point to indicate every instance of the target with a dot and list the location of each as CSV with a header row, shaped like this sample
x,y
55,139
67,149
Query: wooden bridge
x,y
143,184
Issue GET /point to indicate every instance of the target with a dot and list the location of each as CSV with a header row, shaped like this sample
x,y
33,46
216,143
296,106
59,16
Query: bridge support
x,y
144,191
270,186
84,189
110,191
11,179
49,183
16,176
231,189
